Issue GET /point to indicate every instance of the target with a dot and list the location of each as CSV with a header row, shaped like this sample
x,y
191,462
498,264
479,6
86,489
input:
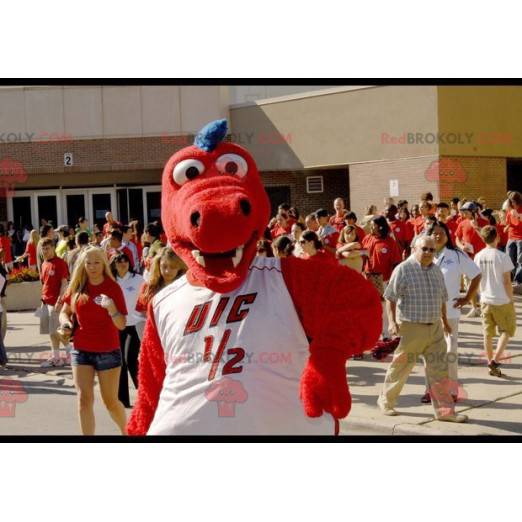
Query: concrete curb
x,y
400,428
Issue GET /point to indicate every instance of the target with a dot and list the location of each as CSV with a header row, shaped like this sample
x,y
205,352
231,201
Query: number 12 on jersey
x,y
232,365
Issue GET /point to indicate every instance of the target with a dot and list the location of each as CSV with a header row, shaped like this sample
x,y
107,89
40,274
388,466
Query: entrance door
x,y
153,206
75,208
514,175
277,196
101,204
130,204
47,210
22,212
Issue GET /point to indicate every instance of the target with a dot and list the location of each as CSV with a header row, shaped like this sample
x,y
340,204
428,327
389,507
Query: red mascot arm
x,y
151,374
342,316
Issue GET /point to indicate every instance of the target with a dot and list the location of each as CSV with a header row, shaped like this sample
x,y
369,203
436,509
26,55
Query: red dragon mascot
x,y
244,345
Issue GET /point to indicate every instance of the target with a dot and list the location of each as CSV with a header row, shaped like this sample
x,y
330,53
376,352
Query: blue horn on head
x,y
211,135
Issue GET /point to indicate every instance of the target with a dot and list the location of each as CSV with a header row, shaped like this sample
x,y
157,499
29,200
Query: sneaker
x,y
474,312
426,398
494,369
52,362
386,410
456,417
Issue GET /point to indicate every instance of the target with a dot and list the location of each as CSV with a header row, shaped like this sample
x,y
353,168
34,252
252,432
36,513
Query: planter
x,y
23,296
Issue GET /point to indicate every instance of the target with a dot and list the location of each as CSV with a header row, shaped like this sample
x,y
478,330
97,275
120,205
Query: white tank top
x,y
234,361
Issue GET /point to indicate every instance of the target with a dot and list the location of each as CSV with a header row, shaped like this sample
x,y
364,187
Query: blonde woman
x,y
98,305
166,267
30,250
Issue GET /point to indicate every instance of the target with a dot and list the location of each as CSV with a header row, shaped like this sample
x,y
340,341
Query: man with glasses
x,y
416,301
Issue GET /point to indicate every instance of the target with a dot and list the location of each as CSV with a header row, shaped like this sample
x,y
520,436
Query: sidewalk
x,y
48,404
493,405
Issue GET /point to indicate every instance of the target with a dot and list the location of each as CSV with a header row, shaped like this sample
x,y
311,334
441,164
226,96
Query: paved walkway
x,y
494,405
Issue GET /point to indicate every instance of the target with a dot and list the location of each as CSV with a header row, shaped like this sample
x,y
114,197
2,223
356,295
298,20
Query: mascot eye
x,y
186,170
232,164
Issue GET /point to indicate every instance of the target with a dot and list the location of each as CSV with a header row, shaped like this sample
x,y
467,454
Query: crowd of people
x,y
426,261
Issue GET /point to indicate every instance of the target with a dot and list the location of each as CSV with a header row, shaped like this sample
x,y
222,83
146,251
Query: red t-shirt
x,y
52,273
418,224
278,230
502,235
330,240
361,234
452,227
482,222
383,255
337,222
122,250
403,232
5,243
96,331
467,233
30,250
514,220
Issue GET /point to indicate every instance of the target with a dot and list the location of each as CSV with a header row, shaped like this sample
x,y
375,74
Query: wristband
x,y
113,316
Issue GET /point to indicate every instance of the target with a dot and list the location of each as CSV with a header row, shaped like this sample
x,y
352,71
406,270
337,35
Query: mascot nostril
x,y
231,305
246,207
194,219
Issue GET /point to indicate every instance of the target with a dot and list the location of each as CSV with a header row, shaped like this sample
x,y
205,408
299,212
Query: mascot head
x,y
214,208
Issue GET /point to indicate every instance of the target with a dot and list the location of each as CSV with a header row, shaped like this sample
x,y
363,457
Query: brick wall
x,y
465,177
370,182
335,183
94,155
485,177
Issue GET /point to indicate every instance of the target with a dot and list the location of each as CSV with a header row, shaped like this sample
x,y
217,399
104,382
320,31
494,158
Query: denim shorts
x,y
99,360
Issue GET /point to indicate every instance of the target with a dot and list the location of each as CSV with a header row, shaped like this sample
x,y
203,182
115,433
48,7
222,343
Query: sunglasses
x,y
428,249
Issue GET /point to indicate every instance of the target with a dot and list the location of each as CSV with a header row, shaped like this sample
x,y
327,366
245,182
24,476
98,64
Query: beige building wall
x,y
338,128
40,113
486,118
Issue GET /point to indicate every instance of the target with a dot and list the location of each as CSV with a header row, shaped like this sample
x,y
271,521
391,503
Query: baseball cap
x,y
469,206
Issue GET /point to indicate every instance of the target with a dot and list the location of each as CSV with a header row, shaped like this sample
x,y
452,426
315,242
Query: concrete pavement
x,y
494,405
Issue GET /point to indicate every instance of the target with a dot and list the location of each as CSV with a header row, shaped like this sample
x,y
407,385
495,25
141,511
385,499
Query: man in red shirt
x,y
443,214
53,275
327,233
116,247
283,225
468,231
110,224
337,220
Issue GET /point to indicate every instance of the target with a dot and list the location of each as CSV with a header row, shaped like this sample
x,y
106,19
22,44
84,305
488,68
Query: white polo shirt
x,y
131,284
454,264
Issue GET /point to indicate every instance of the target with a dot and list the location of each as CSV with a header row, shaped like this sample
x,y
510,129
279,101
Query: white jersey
x,y
234,361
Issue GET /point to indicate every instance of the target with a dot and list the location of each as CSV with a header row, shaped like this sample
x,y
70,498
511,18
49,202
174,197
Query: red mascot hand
x,y
324,387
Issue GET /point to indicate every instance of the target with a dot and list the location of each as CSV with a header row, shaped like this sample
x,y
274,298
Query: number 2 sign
x,y
68,159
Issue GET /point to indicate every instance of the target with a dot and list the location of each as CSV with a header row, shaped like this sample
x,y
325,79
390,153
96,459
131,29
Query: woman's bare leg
x,y
109,383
